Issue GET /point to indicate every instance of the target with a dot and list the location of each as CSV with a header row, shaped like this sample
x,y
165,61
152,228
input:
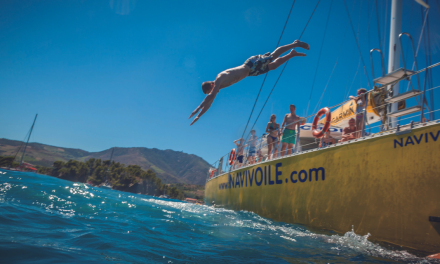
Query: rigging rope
x,y
337,60
334,67
410,23
378,27
358,46
369,22
428,75
418,44
357,43
347,92
319,58
385,27
431,81
285,64
265,76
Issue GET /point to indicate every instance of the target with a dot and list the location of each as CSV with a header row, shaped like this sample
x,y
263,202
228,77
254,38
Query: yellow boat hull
x,y
387,185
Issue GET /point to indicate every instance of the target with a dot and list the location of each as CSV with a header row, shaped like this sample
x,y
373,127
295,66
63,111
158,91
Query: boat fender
x,y
232,156
328,119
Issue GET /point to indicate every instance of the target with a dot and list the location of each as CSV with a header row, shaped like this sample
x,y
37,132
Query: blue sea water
x,y
47,220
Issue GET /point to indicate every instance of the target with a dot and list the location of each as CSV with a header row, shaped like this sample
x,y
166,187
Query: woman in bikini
x,y
272,129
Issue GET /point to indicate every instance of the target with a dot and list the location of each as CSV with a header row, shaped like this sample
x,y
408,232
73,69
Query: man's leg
x,y
283,49
278,62
269,147
289,149
283,148
251,158
359,126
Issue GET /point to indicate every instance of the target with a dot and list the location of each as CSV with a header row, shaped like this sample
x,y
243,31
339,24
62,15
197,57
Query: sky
x,y
126,73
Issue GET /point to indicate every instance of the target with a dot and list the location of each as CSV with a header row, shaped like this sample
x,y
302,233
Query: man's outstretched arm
x,y
205,105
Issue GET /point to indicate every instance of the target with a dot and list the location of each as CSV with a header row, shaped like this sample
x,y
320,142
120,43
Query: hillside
x,y
171,166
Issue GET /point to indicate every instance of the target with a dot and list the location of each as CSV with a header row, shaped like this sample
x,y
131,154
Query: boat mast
x,y
30,133
394,50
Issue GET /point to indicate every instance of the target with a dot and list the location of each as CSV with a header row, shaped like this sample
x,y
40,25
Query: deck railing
x,y
222,165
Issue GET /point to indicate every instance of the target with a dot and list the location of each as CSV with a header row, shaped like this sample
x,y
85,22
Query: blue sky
x,y
129,73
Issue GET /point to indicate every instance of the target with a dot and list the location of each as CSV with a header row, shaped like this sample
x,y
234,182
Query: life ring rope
x,y
328,118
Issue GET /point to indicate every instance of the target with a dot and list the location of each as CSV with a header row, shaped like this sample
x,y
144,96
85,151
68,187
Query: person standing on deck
x,y
252,147
361,102
273,129
240,149
291,122
253,66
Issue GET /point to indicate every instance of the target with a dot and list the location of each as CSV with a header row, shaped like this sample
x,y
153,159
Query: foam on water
x,y
45,219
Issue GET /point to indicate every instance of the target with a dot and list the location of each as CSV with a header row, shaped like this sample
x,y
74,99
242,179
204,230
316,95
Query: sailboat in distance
x,y
23,166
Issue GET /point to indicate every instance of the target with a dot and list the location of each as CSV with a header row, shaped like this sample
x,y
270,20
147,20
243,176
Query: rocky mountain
x,y
171,166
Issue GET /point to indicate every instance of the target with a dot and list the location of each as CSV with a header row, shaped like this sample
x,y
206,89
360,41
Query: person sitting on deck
x,y
292,122
349,132
361,102
326,140
252,146
253,66
240,149
272,129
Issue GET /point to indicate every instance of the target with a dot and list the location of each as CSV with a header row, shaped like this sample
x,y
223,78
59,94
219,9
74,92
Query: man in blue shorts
x,y
240,153
253,66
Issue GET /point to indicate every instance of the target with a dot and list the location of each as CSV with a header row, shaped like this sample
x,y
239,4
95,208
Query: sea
x,y
44,219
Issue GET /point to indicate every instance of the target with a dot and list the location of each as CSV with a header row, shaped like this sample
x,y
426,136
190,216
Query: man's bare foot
x,y
301,44
294,53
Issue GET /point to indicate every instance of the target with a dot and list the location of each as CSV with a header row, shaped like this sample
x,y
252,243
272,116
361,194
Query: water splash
x,y
61,221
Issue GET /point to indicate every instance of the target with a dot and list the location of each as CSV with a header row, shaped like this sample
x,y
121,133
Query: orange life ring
x,y
232,156
212,172
328,119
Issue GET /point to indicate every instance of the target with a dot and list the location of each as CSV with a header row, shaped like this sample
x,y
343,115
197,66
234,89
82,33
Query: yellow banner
x,y
342,114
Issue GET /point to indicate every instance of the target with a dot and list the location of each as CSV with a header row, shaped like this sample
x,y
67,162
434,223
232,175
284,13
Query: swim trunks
x,y
289,136
240,158
251,151
259,64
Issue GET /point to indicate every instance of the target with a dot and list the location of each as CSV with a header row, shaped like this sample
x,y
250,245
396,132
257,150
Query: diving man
x,y
253,66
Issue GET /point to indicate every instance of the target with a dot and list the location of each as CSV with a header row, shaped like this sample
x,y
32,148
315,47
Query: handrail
x,y
423,95
411,124
339,104
414,54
